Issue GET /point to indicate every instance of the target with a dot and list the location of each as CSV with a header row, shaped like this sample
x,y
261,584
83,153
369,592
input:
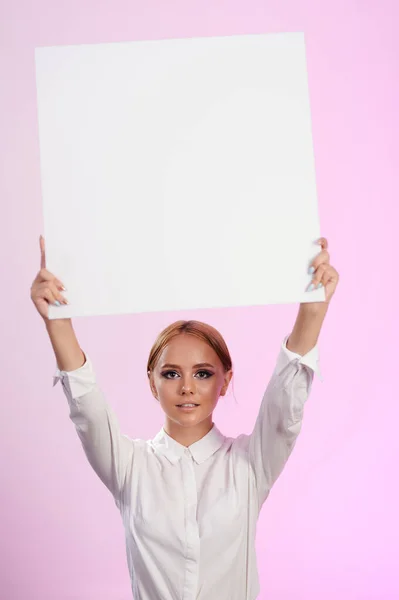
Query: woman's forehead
x,y
186,349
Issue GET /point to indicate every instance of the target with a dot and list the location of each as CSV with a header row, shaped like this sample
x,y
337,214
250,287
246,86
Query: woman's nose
x,y
187,386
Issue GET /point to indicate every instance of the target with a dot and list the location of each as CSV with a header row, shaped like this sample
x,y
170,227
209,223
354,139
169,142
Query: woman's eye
x,y
207,374
168,373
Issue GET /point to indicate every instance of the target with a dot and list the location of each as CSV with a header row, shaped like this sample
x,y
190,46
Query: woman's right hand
x,y
46,288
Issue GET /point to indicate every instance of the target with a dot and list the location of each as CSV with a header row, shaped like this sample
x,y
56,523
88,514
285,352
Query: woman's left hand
x,y
324,273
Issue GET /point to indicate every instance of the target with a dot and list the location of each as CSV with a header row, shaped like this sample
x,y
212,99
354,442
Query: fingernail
x,y
311,270
320,285
310,287
57,303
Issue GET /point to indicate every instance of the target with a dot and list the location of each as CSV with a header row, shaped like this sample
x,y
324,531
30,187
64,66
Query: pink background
x,y
330,528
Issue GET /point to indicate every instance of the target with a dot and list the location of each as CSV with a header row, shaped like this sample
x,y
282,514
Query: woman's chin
x,y
189,419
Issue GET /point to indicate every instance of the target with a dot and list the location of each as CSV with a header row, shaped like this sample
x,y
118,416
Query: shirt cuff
x,y
311,359
80,381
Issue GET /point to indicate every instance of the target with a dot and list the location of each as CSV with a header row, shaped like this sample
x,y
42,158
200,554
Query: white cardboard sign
x,y
178,174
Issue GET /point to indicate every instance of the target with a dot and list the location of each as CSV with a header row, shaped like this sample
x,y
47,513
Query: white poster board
x,y
178,174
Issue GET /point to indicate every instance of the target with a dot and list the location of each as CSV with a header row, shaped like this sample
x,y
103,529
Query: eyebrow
x,y
169,365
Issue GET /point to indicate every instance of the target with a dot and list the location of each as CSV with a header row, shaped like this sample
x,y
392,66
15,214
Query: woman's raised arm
x,y
109,452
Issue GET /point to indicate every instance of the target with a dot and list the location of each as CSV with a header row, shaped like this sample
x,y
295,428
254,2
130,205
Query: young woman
x,y
190,497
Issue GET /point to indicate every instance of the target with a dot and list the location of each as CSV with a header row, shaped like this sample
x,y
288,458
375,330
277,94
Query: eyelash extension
x,y
208,373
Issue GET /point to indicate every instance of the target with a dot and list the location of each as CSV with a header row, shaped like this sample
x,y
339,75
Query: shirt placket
x,y
192,531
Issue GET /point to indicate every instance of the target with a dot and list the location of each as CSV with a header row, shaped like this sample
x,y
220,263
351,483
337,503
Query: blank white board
x,y
178,174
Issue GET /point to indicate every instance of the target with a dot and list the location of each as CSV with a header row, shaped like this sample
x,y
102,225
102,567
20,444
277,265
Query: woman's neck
x,y
188,435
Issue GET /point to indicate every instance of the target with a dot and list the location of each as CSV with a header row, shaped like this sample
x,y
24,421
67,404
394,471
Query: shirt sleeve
x,y
109,452
280,416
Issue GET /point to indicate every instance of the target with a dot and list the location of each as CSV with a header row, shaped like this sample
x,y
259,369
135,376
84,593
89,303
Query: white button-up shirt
x,y
190,513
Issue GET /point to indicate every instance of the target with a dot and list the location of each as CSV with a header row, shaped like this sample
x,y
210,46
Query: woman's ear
x,y
152,385
227,378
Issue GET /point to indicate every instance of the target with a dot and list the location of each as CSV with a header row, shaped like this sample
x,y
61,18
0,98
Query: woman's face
x,y
181,377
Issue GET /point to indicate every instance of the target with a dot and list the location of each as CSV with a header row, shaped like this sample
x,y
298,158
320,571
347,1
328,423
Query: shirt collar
x,y
200,451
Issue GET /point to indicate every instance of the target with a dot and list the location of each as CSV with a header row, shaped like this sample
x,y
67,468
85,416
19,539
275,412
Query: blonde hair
x,y
203,331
